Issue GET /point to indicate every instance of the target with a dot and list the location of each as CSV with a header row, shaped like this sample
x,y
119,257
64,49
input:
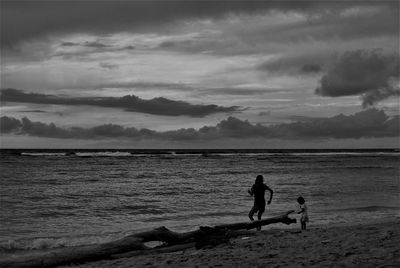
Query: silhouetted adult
x,y
258,191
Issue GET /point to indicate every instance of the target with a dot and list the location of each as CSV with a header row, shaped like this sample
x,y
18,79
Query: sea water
x,y
58,198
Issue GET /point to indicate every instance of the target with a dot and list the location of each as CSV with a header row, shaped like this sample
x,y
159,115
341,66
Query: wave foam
x,y
103,154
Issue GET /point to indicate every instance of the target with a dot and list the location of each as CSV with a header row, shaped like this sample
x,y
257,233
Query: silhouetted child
x,y
258,190
303,211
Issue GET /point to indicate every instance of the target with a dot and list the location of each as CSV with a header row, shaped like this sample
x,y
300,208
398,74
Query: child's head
x,y
259,179
301,200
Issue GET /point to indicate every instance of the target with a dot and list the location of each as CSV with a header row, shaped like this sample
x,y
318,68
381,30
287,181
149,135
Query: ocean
x,y
61,198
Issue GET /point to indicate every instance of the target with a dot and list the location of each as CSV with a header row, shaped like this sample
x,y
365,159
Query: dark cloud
x,y
9,124
369,123
365,124
231,91
157,106
370,74
297,64
21,20
69,44
33,111
95,44
310,68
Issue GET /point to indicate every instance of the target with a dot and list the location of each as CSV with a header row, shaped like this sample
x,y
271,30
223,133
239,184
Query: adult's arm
x,y
251,191
271,193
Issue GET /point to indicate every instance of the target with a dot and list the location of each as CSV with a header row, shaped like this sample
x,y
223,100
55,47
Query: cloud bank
x,y
132,103
370,74
111,16
365,124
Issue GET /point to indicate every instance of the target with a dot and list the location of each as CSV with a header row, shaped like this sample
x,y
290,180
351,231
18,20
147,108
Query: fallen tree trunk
x,y
135,243
254,224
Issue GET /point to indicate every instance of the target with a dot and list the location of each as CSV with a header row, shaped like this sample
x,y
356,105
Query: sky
x,y
199,74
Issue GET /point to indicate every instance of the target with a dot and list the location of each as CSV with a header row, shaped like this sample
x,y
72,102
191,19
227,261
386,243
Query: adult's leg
x,y
259,214
251,213
259,218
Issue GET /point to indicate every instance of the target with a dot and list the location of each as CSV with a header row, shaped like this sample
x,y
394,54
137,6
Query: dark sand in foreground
x,y
369,245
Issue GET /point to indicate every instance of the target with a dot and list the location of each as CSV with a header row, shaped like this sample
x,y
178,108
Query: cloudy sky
x,y
199,74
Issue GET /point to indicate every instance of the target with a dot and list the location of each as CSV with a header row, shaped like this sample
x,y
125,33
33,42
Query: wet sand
x,y
367,245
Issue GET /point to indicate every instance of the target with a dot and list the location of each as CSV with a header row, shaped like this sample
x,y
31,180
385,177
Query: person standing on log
x,y
258,191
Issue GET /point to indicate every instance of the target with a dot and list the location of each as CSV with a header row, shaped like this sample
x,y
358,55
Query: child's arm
x,y
301,210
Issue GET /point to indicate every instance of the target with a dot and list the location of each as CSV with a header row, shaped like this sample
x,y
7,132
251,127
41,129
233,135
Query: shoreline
x,y
371,244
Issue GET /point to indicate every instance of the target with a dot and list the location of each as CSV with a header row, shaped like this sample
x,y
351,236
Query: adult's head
x,y
259,179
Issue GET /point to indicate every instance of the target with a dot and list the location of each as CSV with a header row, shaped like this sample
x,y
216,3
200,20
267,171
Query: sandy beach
x,y
367,245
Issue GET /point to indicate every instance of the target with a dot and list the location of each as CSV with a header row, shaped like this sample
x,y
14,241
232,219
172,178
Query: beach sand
x,y
367,245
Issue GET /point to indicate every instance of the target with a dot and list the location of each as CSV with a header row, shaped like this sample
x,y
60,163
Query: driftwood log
x,y
135,245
